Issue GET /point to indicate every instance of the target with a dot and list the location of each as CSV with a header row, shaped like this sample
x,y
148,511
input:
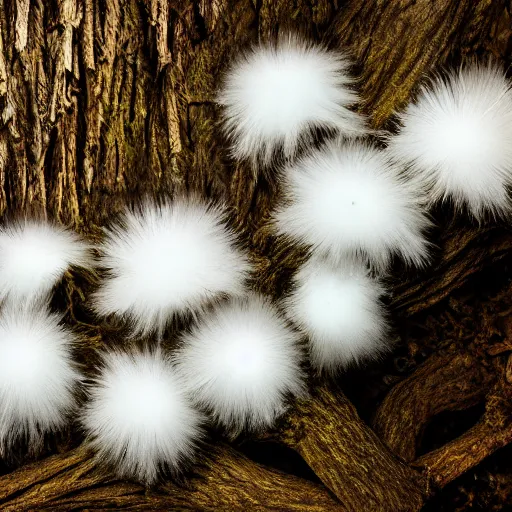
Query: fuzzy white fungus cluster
x,y
139,418
34,256
337,306
168,259
457,138
38,378
347,200
275,95
241,362
355,207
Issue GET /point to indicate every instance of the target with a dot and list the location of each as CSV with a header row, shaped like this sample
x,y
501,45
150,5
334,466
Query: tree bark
x,y
492,432
447,382
360,469
103,102
225,480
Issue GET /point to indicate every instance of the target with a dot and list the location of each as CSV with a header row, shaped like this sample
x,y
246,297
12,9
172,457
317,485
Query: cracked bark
x,y
104,102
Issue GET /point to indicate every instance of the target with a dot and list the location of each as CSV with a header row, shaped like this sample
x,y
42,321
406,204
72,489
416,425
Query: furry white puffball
x,y
274,96
337,306
241,363
168,259
349,200
34,255
457,137
139,419
37,375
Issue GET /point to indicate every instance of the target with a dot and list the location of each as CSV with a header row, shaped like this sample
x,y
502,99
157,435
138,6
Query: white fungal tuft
x,y
337,306
37,375
349,200
166,260
274,96
457,137
34,256
241,362
139,418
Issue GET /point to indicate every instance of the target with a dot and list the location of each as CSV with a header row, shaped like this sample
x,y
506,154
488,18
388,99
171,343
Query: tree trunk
x,y
103,102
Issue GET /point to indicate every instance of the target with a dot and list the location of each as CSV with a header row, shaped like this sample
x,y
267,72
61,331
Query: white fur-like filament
x,y
349,200
34,255
337,306
139,418
37,375
275,95
168,259
241,363
457,138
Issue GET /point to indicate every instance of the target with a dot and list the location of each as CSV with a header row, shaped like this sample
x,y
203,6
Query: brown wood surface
x,y
103,102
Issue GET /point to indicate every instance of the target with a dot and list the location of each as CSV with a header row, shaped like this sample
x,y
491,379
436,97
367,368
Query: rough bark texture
x,y
493,431
359,469
105,101
226,480
442,383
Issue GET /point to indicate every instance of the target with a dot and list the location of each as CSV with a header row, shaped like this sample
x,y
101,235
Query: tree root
x,y
348,457
492,432
445,382
226,480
